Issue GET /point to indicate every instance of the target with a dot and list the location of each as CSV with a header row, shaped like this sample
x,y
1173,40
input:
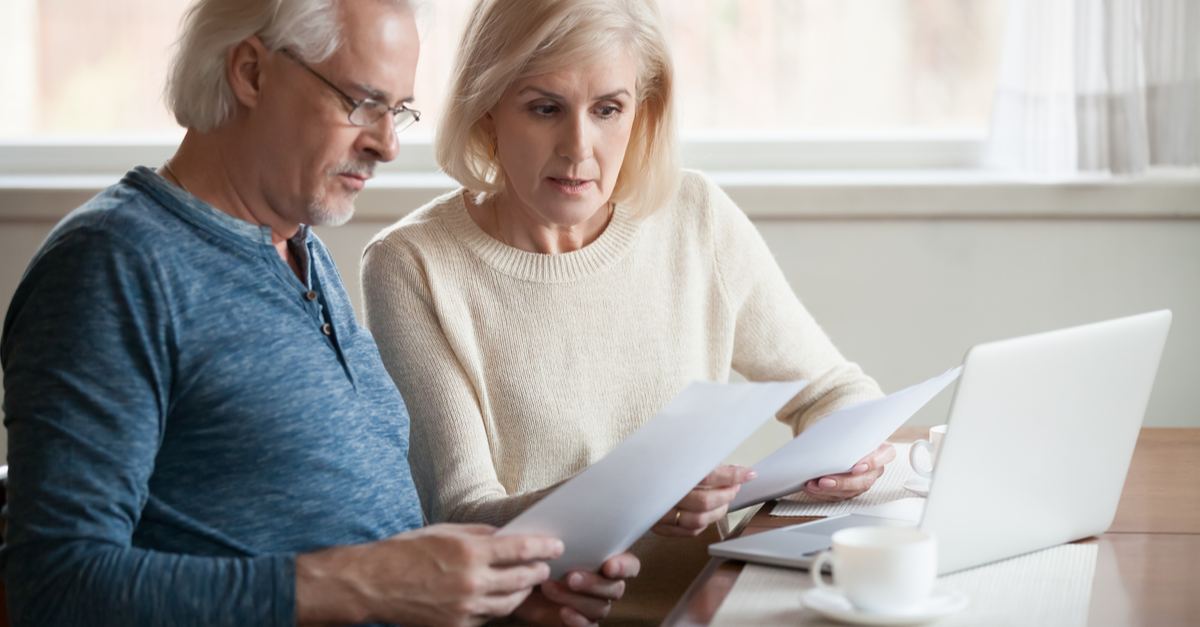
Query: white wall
x,y
907,295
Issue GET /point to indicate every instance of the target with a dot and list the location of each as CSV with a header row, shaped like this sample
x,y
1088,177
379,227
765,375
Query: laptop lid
x,y
1041,432
1042,429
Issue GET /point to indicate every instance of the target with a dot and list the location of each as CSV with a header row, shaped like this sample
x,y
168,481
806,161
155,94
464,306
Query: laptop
x,y
1038,443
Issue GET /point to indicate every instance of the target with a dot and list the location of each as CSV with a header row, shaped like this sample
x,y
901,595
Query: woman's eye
x,y
544,110
608,111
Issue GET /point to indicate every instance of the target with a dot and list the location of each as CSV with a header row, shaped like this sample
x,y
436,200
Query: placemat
x,y
1048,588
889,487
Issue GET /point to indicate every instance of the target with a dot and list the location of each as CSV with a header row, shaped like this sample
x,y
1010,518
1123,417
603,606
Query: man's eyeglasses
x,y
367,111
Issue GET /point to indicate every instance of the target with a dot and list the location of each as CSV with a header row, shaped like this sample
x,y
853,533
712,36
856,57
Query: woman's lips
x,y
570,186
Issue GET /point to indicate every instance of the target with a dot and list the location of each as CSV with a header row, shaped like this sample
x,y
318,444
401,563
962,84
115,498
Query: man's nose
x,y
380,139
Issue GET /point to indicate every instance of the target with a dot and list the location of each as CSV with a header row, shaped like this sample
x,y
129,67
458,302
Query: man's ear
x,y
244,66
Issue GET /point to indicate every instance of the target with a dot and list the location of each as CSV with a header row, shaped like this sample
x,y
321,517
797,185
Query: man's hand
x,y
439,575
851,484
580,599
705,504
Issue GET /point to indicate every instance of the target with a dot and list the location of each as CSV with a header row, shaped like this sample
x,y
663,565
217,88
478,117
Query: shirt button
x,y
327,329
310,295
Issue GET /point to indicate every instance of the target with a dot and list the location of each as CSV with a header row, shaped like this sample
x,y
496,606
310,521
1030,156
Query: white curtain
x,y
1096,86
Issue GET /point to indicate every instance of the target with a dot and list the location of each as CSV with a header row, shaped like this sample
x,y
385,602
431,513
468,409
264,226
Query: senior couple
x,y
200,433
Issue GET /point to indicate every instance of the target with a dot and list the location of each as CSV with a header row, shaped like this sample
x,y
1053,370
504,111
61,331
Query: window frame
x,y
709,150
772,175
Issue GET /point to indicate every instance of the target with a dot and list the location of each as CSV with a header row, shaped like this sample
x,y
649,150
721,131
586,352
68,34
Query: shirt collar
x,y
197,211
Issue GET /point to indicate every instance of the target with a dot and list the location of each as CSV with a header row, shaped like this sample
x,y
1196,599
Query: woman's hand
x,y
851,484
705,504
580,599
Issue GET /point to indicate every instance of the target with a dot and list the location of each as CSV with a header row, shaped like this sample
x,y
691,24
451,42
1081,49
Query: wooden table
x,y
1148,565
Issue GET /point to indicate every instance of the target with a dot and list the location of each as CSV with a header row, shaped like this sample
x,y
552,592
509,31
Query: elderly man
x,y
199,431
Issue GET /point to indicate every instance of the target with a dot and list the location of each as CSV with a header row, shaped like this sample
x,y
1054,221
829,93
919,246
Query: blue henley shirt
x,y
184,416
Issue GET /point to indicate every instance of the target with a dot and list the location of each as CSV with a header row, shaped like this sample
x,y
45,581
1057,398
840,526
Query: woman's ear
x,y
487,124
244,67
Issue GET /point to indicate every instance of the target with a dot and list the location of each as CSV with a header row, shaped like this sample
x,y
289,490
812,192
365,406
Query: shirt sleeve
x,y
87,352
776,338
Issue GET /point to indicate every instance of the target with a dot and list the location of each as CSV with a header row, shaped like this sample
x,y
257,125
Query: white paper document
x,y
601,511
837,442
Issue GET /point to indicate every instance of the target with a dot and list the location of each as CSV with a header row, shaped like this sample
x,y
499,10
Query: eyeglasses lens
x,y
368,112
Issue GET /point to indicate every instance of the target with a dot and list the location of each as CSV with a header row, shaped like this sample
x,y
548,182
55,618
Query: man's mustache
x,y
364,169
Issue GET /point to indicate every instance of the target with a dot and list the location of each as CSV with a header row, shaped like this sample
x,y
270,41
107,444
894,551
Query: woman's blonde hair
x,y
507,40
198,90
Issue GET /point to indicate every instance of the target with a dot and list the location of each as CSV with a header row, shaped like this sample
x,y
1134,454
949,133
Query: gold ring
x,y
678,513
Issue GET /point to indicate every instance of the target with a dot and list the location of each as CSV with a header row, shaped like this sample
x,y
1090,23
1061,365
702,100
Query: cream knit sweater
x,y
520,369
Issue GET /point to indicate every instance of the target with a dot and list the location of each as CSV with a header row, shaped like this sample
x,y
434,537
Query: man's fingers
x,y
495,605
446,529
728,475
515,578
520,549
476,530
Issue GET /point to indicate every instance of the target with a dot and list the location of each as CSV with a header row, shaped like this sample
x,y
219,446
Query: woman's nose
x,y
576,141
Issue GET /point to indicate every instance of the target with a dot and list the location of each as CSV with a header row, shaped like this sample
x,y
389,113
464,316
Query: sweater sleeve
x,y
87,362
451,456
776,338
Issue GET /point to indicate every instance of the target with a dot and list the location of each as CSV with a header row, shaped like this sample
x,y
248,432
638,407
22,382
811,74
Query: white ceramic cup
x,y
931,446
880,570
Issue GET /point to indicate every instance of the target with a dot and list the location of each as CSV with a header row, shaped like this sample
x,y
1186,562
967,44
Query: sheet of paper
x,y
837,442
601,511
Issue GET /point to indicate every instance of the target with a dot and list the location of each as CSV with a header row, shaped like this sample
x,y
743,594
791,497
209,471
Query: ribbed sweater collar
x,y
613,244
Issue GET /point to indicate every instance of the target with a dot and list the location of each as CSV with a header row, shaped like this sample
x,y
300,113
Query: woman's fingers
x,y
683,524
594,584
728,475
705,504
621,566
861,477
880,456
707,499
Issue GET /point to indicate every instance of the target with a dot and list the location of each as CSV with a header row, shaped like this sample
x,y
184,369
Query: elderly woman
x,y
579,280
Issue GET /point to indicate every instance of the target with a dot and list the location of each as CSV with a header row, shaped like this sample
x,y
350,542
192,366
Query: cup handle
x,y
912,458
819,563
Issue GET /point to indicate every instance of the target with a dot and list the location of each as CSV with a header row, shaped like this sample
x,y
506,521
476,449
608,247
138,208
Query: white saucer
x,y
831,604
917,485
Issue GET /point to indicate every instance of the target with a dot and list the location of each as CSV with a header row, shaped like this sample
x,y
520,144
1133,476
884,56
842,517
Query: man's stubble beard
x,y
321,212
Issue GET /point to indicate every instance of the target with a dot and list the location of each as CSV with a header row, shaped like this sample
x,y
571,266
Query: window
x,y
81,66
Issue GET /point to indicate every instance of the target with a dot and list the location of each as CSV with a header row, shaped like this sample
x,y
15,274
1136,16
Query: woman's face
x,y
561,138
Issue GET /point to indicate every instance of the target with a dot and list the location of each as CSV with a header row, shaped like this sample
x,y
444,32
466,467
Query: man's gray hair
x,y
198,90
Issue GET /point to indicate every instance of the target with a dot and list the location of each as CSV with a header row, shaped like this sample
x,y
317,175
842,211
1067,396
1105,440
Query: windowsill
x,y
969,194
